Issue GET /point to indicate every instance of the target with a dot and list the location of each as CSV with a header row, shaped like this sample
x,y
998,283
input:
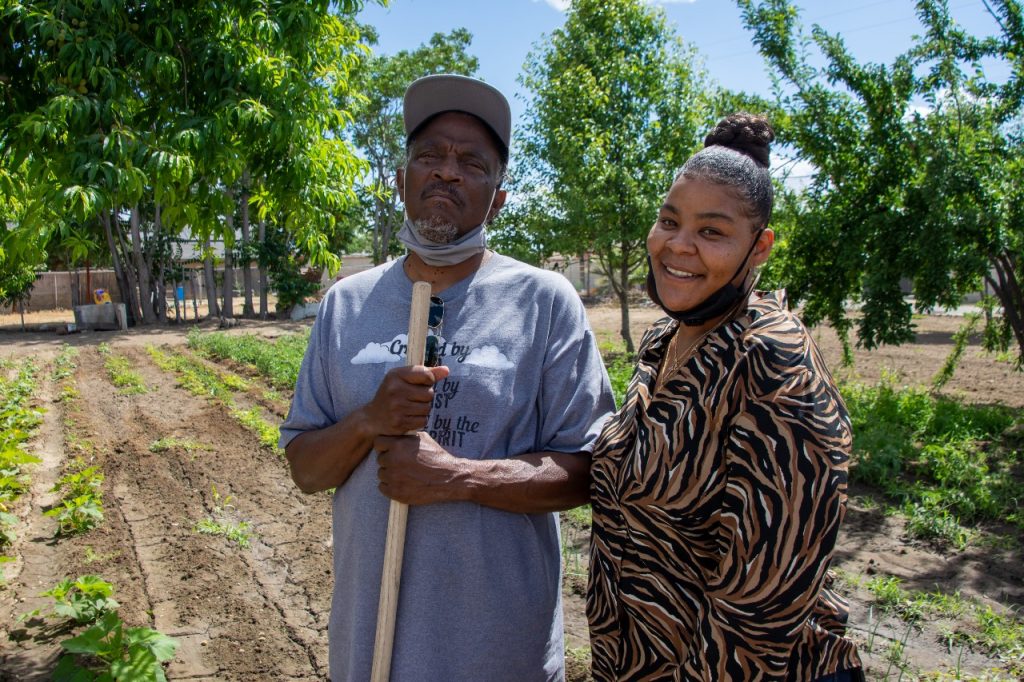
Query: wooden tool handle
x,y
391,575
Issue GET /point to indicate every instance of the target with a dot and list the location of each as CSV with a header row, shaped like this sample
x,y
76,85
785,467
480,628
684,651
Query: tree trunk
x,y
76,297
262,236
213,310
228,309
127,292
1010,294
195,303
247,308
142,268
623,291
159,265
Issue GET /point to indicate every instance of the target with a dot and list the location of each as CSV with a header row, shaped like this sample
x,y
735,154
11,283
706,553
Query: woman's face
x,y
699,240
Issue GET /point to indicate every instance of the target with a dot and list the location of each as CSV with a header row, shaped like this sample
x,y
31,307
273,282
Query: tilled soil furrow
x,y
284,632
34,570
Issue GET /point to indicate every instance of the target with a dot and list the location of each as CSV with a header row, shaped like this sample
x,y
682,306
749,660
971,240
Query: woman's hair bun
x,y
748,134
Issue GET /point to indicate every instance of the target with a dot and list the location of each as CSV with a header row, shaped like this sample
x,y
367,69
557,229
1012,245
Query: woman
x,y
719,486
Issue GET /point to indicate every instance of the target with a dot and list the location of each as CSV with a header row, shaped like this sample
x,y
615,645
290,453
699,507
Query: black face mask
x,y
715,305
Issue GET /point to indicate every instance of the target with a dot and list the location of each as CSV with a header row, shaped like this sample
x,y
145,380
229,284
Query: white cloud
x,y
557,5
489,356
798,173
380,352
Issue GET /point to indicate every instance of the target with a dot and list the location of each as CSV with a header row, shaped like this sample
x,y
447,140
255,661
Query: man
x,y
510,417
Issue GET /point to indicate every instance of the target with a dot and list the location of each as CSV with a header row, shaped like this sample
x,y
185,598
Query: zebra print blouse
x,y
717,503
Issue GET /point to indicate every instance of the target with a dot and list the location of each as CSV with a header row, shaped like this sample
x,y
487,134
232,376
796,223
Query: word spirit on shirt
x,y
442,432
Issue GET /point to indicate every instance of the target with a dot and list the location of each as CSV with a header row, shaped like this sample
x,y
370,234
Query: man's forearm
x,y
532,483
325,458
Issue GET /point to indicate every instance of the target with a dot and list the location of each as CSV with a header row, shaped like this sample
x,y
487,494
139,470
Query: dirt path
x,y
239,613
260,613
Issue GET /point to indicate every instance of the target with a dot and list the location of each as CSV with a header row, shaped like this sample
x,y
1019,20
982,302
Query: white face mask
x,y
441,255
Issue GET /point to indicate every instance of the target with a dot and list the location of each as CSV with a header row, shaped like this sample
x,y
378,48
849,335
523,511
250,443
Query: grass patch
x,y
278,360
579,517
121,374
950,465
196,378
174,443
217,386
267,433
979,626
619,364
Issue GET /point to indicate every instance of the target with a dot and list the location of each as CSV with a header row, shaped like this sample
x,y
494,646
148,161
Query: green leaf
x,y
68,670
162,646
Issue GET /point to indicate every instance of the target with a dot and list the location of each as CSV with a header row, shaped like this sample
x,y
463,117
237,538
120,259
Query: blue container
x,y
179,292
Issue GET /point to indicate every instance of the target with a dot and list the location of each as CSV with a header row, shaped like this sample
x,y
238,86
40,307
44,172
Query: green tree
x,y
377,129
918,171
144,120
618,104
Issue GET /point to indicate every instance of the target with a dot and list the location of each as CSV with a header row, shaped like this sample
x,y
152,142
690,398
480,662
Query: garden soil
x,y
260,612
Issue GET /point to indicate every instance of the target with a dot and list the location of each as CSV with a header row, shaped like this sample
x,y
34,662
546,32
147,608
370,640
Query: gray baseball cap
x,y
433,95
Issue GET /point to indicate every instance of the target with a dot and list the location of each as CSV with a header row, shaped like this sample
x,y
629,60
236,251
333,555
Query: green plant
x,y
174,443
77,515
18,421
580,517
83,599
68,392
123,376
220,521
7,523
81,505
92,557
194,378
65,364
960,339
122,653
1000,634
81,480
935,524
236,532
949,464
201,380
268,434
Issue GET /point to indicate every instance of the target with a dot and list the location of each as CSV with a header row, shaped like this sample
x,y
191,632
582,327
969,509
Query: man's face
x,y
450,181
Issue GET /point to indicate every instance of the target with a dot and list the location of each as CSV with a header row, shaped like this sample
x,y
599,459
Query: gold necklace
x,y
674,359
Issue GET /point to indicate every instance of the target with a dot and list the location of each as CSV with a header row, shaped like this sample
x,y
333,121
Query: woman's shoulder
x,y
775,345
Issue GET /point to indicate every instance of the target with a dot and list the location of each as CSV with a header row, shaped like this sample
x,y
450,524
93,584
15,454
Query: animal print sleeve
x,y
785,456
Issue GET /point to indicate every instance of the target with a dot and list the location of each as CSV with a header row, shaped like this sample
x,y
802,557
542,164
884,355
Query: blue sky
x,y
505,31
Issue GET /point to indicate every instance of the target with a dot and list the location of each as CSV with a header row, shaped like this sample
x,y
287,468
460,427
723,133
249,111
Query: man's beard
x,y
436,230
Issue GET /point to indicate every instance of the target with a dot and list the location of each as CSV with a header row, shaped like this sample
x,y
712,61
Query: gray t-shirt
x,y
480,595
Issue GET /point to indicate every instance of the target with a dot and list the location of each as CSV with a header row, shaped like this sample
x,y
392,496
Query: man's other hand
x,y
416,470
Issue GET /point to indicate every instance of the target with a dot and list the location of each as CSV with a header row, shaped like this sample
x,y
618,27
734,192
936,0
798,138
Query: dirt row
x,y
239,614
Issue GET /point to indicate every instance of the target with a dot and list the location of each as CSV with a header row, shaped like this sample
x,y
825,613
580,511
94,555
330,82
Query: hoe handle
x,y
391,575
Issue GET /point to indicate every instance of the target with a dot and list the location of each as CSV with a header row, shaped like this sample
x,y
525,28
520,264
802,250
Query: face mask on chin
x,y
437,255
717,304
442,255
